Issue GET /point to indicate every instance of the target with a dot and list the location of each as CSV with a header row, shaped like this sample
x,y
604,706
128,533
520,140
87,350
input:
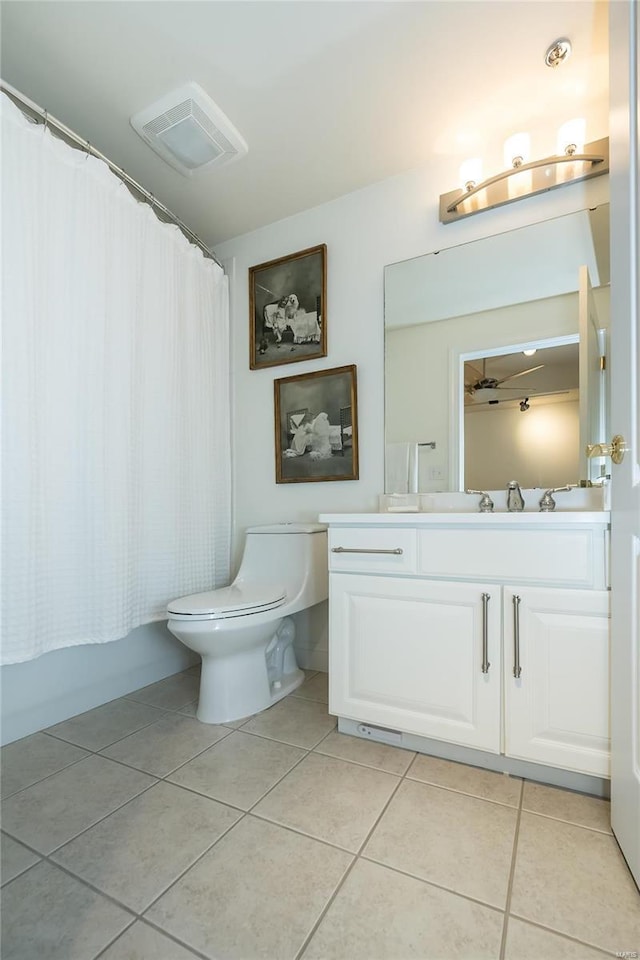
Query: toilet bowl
x,y
244,632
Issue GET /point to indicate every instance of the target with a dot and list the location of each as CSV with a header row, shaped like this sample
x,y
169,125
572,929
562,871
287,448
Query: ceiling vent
x,y
188,130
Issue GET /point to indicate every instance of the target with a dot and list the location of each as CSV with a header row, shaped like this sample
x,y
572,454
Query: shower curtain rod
x,y
50,121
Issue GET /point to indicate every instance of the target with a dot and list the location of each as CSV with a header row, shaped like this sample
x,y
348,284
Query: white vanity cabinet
x,y
431,615
417,655
556,677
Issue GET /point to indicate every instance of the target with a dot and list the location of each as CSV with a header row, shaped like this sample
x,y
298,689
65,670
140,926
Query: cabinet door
x,y
557,710
408,654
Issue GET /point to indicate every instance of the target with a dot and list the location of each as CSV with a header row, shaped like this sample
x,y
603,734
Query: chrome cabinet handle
x,y
397,550
485,632
517,669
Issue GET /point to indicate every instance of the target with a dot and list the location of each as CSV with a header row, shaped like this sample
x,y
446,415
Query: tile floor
x,y
133,832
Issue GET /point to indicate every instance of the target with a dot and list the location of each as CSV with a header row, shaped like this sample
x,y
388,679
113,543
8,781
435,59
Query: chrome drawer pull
x,y
397,550
517,669
485,633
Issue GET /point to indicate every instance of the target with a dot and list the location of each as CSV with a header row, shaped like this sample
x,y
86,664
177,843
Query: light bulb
x,y
471,173
516,153
517,150
571,136
529,353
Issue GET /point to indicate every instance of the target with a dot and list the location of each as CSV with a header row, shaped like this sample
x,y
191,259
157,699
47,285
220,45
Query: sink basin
x,y
577,500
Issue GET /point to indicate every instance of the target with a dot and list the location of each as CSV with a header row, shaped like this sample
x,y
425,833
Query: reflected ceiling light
x,y
529,353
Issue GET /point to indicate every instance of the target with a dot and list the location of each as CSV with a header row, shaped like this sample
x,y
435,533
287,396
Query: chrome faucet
x,y
547,503
486,503
515,500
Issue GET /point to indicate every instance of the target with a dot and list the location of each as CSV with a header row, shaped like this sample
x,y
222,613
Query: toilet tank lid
x,y
289,528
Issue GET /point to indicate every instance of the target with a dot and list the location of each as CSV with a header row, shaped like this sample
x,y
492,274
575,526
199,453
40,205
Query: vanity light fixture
x,y
524,177
574,162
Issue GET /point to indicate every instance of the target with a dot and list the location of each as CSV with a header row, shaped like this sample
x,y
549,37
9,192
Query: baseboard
x,y
64,683
581,782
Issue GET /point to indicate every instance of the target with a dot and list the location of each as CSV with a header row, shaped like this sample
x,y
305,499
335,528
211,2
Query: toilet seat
x,y
233,601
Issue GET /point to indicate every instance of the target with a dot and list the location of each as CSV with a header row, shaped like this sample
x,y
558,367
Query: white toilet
x,y
243,632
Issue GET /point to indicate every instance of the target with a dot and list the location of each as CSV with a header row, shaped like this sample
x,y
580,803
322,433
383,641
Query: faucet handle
x,y
547,503
486,503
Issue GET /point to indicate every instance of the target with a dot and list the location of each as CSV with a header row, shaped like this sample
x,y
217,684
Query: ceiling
x,y
559,372
330,96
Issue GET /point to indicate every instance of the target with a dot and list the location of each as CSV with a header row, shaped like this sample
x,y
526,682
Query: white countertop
x,y
500,519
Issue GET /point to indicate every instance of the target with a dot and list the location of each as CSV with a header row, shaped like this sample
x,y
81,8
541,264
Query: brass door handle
x,y
616,449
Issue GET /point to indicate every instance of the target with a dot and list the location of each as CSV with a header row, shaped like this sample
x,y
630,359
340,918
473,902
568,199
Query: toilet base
x,y
237,687
289,682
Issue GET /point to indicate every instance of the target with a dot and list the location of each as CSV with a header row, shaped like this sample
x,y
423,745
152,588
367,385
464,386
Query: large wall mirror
x,y
492,359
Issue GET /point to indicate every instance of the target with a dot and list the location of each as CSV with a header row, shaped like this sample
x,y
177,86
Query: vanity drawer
x,y
568,557
374,550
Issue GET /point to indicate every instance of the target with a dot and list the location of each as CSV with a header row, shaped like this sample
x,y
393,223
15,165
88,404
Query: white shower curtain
x,y
116,415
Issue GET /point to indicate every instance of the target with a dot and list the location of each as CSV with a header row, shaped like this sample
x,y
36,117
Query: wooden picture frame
x,y
316,426
287,309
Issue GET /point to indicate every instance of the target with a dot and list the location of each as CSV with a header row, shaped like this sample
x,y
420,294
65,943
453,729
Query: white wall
x,y
539,448
384,223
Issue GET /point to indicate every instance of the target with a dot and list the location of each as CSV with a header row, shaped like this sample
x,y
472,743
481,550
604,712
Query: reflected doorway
x,y
522,416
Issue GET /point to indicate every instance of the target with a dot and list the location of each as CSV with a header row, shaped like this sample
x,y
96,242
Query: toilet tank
x,y
291,554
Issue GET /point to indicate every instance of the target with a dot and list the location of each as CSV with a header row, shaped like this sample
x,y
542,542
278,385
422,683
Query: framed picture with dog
x,y
287,309
316,426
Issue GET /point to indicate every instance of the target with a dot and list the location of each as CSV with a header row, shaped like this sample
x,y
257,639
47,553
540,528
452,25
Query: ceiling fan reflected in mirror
x,y
522,399
479,388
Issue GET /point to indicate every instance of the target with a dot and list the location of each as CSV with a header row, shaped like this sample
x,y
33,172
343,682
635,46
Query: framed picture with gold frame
x,y
316,426
287,309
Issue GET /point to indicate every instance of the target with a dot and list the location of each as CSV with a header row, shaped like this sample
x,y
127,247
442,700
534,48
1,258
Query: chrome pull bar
x,y
396,550
517,669
485,632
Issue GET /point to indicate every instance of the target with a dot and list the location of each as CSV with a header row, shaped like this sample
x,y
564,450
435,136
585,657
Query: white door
x,y
557,709
591,379
625,369
422,656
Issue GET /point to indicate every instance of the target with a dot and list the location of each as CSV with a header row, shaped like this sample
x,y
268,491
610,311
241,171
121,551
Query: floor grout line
x,y
566,936
464,793
569,823
432,883
170,936
111,942
307,940
67,766
514,854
